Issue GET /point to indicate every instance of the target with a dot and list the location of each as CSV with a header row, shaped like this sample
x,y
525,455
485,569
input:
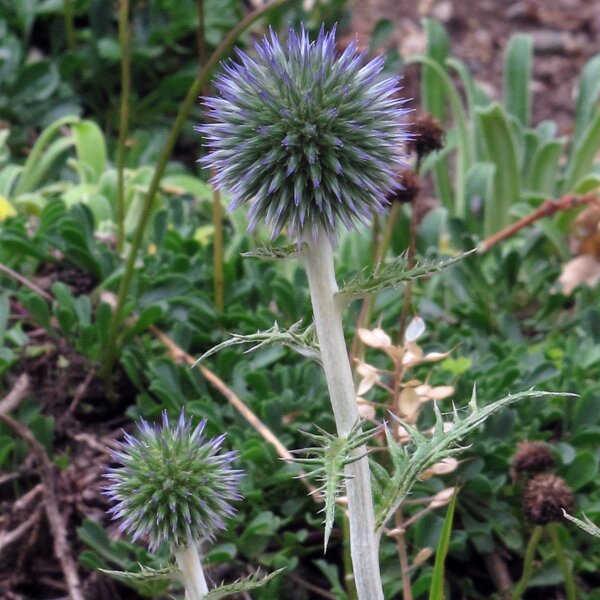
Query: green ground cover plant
x,y
118,271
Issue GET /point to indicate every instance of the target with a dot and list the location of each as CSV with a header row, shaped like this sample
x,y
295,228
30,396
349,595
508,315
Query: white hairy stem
x,y
327,309
192,575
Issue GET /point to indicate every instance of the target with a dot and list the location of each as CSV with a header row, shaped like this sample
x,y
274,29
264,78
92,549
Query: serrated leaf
x,y
243,585
393,275
327,461
145,574
423,452
272,253
586,524
300,340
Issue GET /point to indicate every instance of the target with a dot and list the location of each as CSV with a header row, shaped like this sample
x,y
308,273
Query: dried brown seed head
x,y
532,457
410,187
545,497
426,135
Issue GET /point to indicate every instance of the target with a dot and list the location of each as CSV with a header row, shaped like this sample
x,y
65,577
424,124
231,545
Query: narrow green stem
x,y
218,251
123,119
521,585
562,562
188,561
111,349
327,310
69,25
217,213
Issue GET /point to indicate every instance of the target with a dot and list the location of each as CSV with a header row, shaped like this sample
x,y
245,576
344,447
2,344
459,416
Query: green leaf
x,y
583,154
392,275
91,148
4,312
587,98
517,76
545,167
438,49
145,574
586,524
273,253
436,592
32,173
182,183
381,34
501,150
302,341
326,462
243,585
423,452
582,470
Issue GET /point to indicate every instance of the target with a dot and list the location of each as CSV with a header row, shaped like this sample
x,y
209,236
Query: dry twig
x,y
547,209
55,519
16,395
178,354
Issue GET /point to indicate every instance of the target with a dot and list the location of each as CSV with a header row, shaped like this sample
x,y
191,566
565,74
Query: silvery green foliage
x,y
243,585
326,462
586,524
423,451
174,486
274,253
393,274
145,574
300,340
308,139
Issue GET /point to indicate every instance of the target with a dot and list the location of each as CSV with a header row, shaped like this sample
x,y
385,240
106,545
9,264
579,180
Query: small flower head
x,y
409,189
426,135
174,486
545,497
532,457
308,139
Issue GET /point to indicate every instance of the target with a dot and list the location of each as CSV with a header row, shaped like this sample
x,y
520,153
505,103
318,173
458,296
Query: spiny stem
x,y
527,563
188,561
111,348
318,261
123,119
562,562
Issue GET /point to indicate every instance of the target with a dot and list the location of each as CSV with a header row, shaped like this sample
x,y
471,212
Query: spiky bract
x,y
309,140
174,486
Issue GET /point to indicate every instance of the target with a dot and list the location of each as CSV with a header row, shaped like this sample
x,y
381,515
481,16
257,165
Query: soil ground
x,y
566,34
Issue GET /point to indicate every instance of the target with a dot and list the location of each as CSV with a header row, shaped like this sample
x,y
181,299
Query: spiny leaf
x,y
586,524
423,452
302,341
326,462
243,585
272,253
145,574
393,274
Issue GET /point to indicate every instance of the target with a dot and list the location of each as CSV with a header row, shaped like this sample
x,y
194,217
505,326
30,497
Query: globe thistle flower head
x,y
307,139
174,485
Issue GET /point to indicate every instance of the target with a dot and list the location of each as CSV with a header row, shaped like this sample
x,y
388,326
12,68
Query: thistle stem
x,y
527,563
192,574
562,562
327,310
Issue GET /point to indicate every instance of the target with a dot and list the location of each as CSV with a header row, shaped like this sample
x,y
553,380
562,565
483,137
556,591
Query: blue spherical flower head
x,y
174,485
307,139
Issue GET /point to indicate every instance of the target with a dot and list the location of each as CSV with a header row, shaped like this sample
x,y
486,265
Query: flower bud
x,y
174,486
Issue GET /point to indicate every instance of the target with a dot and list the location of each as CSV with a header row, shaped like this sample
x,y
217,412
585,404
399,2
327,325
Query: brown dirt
x,y
566,33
